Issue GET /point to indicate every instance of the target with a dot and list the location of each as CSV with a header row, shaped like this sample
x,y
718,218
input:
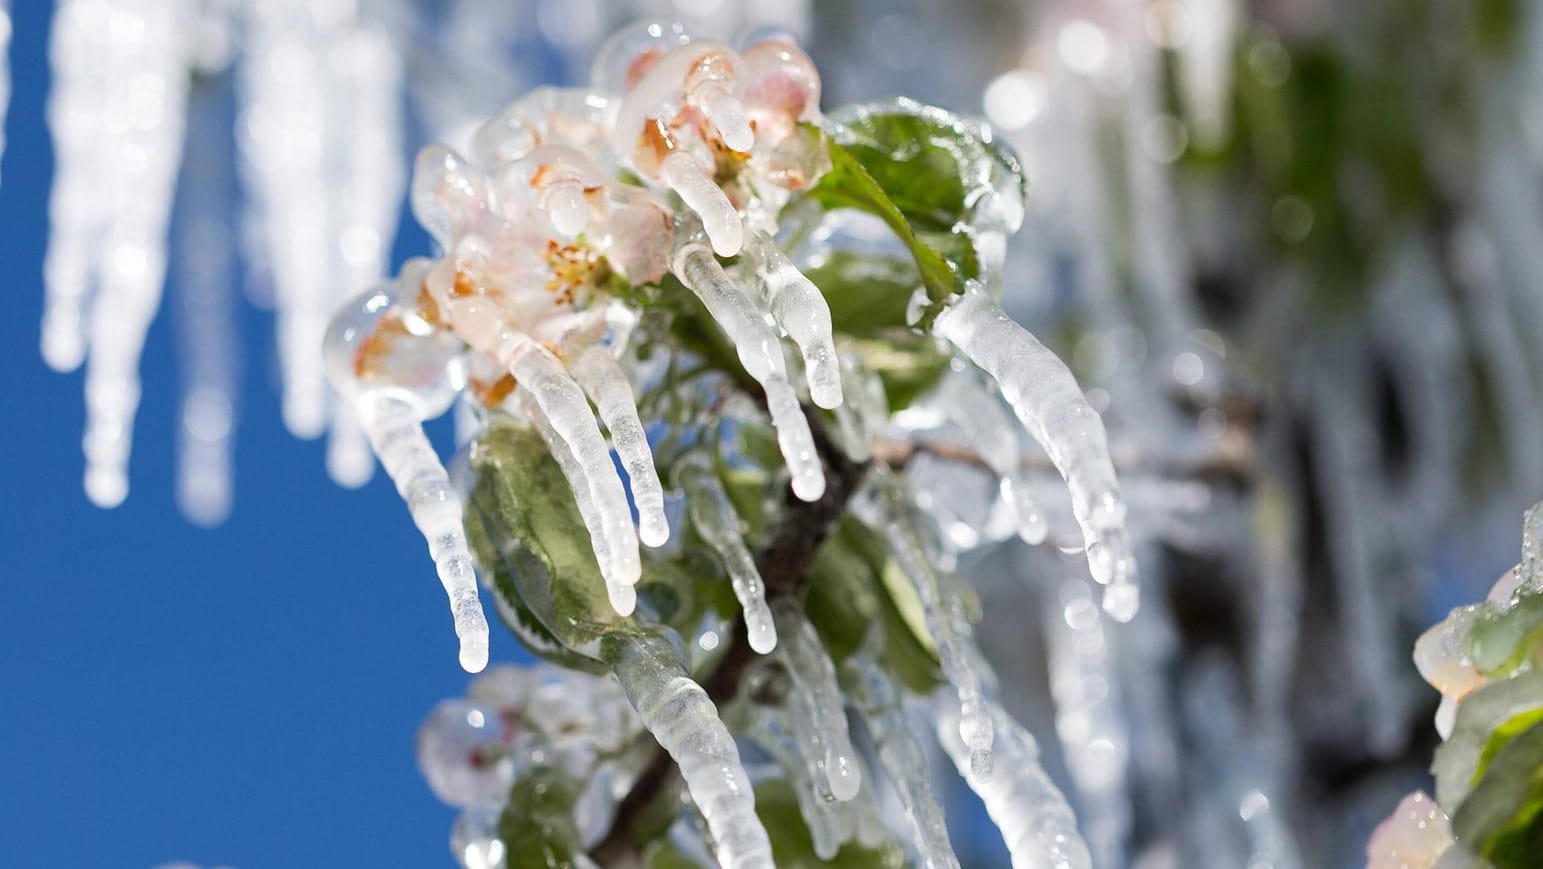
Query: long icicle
x,y
820,718
799,308
719,524
564,405
944,622
131,264
1044,395
396,434
760,351
685,722
623,597
901,757
605,382
1036,822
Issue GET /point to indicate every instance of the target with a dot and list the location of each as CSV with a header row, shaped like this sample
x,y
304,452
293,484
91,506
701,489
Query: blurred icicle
x,y
5,67
1043,393
321,132
1205,53
879,702
366,171
819,717
719,525
206,322
1346,450
685,723
1089,719
864,409
116,113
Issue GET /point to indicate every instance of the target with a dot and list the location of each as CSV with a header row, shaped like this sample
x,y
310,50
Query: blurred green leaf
x,y
793,847
537,826
1502,817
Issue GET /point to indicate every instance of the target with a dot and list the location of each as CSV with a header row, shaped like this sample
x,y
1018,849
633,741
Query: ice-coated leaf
x,y
793,847
848,184
537,825
936,167
1479,715
534,542
1502,817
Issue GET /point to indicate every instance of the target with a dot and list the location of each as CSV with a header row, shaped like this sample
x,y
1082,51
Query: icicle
x,y
902,760
989,430
605,382
396,434
684,721
562,403
623,597
799,308
819,717
365,174
696,188
760,351
1088,718
1042,392
944,622
5,67
830,823
715,519
1036,823
139,122
1344,449
206,325
865,409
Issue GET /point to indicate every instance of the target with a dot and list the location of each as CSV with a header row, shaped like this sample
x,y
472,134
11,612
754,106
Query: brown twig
x,y
784,566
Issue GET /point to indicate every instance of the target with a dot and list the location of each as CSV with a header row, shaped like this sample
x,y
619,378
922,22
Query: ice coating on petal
x,y
1044,395
799,308
448,194
715,519
605,382
901,757
760,351
819,717
685,722
1417,833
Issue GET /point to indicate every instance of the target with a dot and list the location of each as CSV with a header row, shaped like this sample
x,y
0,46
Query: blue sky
x,y
246,695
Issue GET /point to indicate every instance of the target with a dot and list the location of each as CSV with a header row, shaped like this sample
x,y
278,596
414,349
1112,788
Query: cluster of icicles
x,y
318,105
681,154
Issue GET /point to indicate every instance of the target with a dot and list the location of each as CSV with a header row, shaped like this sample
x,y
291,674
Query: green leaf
x,y
1502,818
848,184
530,534
537,826
1503,735
853,586
793,847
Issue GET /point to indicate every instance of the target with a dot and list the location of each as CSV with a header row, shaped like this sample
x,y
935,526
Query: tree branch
x,y
784,566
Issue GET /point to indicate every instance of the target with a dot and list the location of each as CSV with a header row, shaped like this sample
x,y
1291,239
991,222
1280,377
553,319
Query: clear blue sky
x,y
246,695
